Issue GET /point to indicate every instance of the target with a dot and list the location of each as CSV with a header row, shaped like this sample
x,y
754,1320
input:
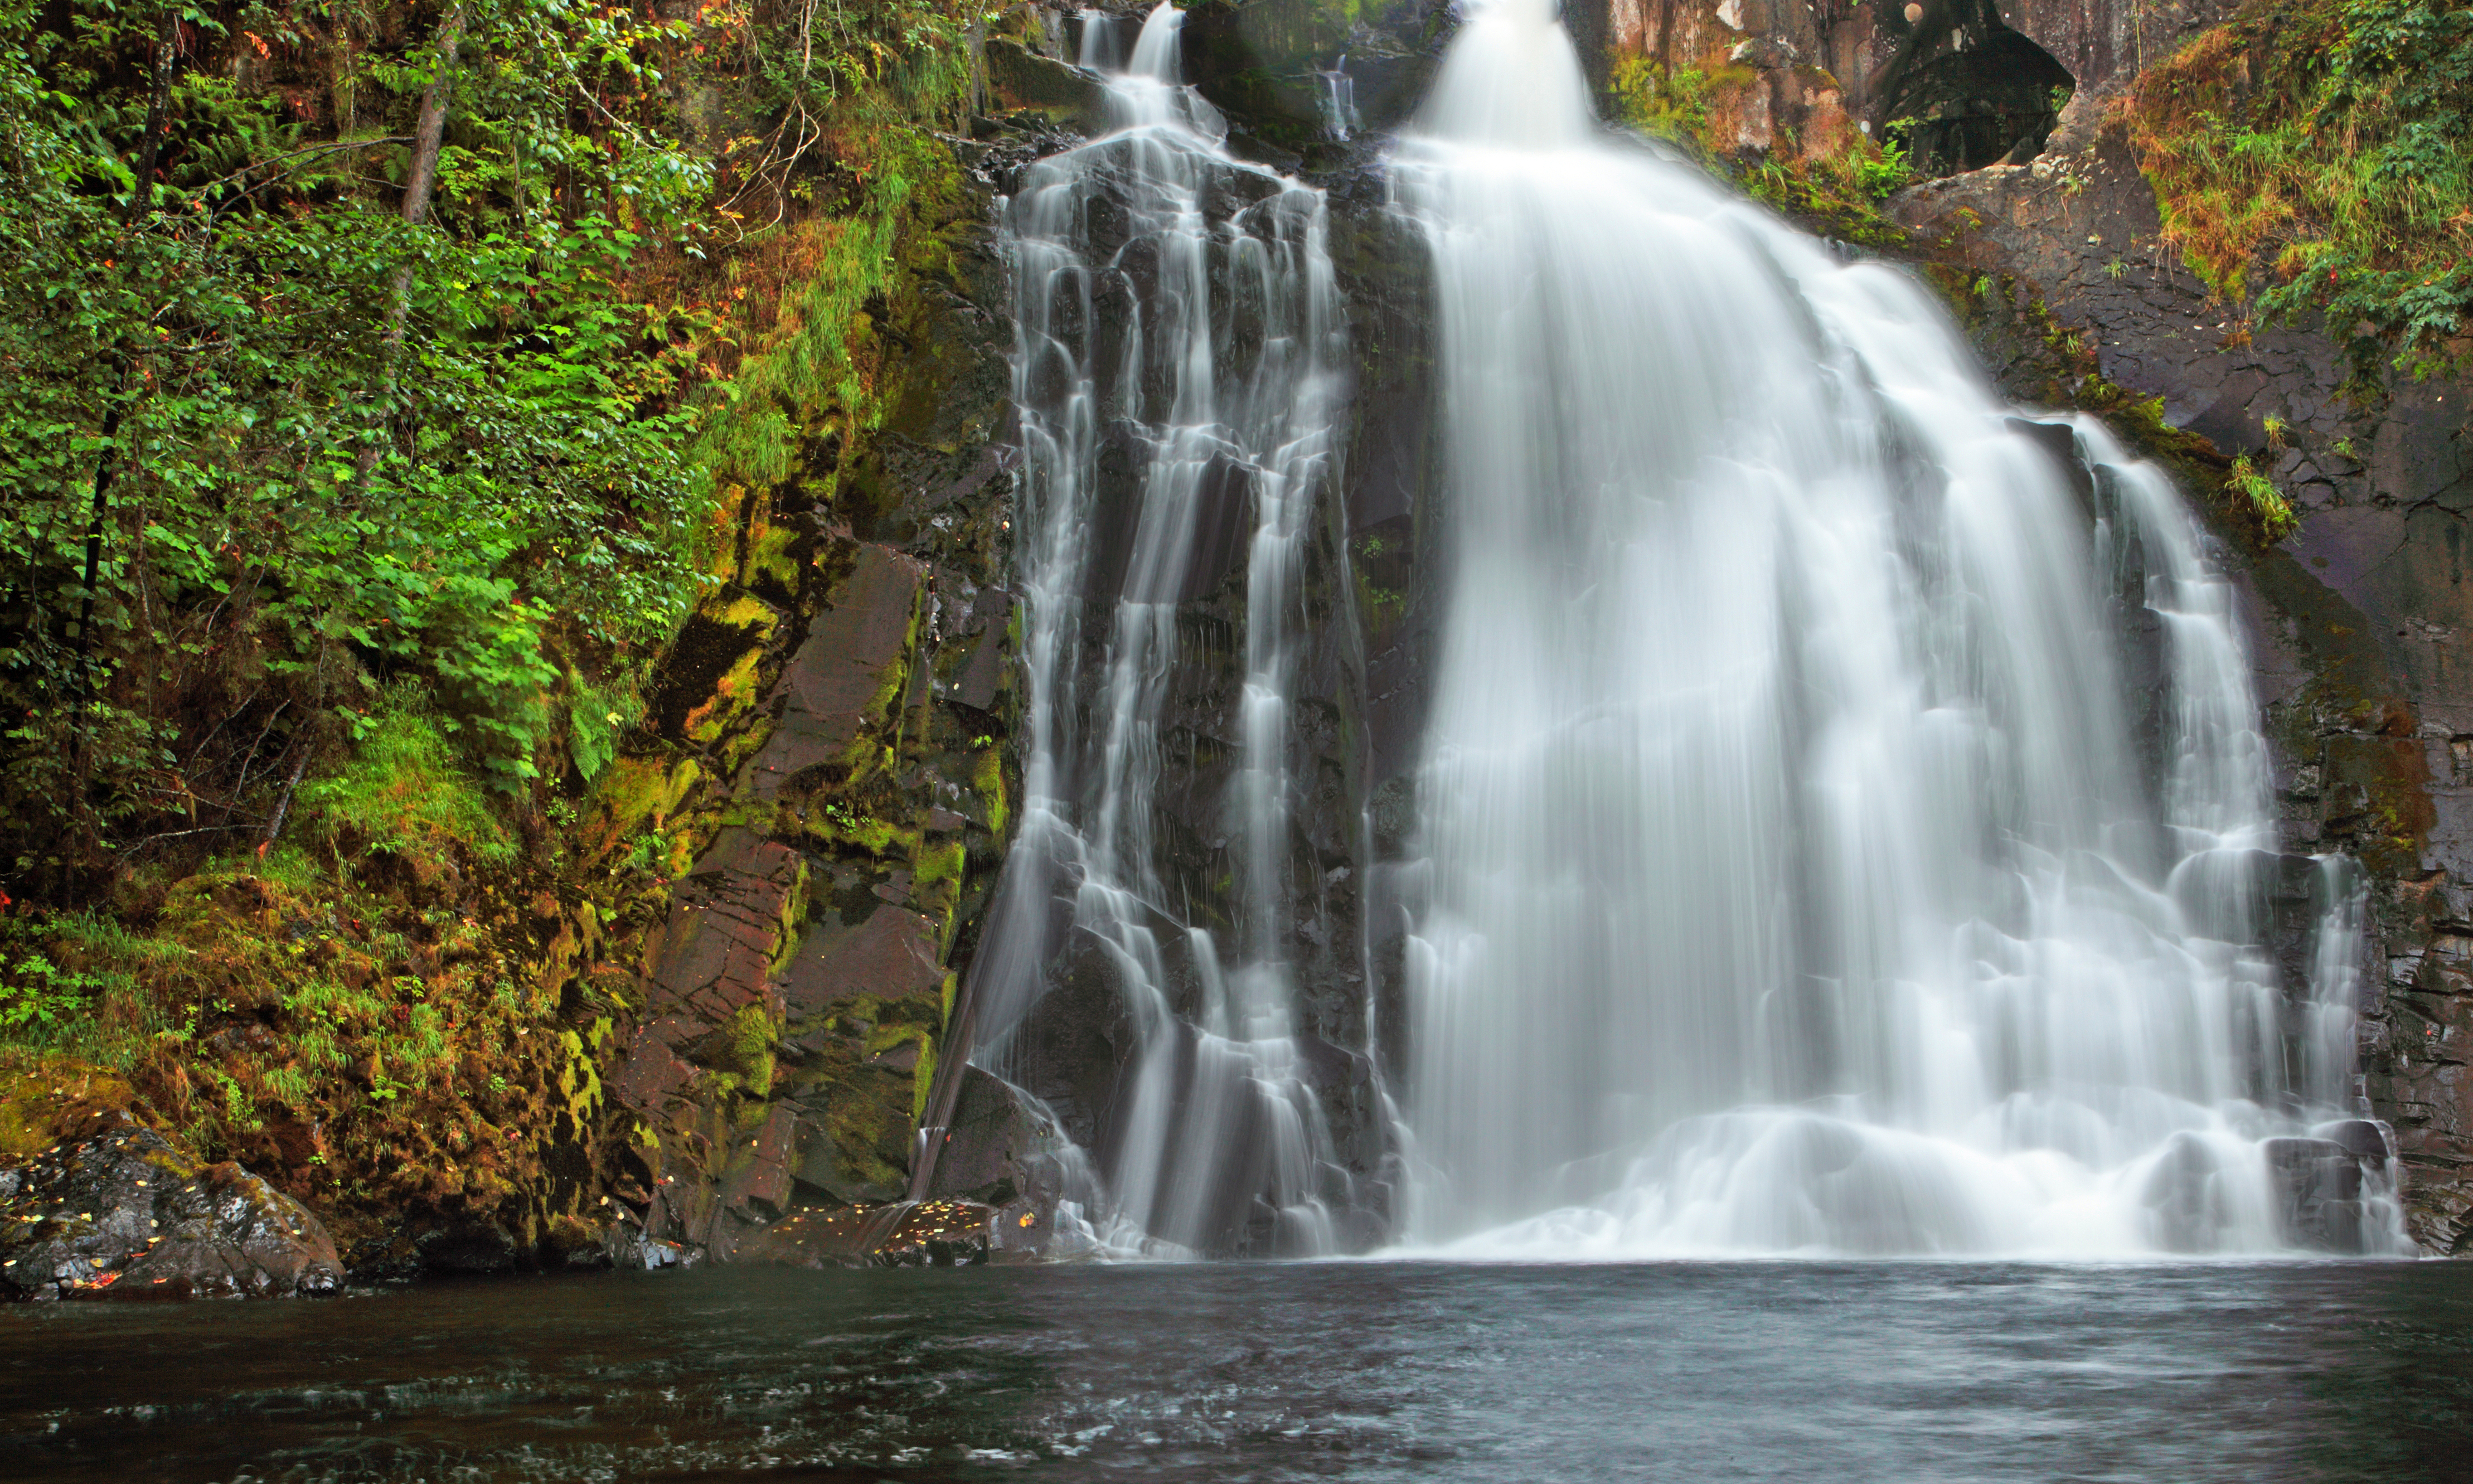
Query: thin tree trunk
x,y
141,197
149,150
159,96
284,804
428,133
429,136
94,525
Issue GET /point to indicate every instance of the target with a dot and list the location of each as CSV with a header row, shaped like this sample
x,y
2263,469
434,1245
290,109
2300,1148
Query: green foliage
x,y
307,447
2257,496
1879,176
38,999
597,716
2333,138
1669,102
402,792
1836,190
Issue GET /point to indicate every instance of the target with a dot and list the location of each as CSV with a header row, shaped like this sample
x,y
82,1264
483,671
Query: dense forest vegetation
x,y
380,380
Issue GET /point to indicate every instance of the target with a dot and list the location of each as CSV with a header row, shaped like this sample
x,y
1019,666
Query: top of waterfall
x,y
1511,78
1149,91
1157,54
1098,49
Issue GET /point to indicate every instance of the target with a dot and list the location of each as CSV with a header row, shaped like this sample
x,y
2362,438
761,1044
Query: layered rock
x,y
827,772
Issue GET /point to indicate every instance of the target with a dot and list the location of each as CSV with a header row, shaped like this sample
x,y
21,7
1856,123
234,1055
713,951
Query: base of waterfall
x,y
1816,1183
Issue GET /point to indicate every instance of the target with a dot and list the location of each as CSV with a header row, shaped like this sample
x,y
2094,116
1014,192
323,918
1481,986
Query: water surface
x,y
1361,1370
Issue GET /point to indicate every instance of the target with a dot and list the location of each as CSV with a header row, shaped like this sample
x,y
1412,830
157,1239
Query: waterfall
x,y
1177,375
1844,821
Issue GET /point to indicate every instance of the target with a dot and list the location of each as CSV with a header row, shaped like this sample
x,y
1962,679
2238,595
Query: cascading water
x,y
1807,871
1177,377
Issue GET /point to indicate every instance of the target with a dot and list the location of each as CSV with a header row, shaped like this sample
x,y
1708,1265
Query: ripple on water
x,y
1364,1370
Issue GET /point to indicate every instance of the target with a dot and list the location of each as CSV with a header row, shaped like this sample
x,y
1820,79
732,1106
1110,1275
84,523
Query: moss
x,y
748,1050
771,556
988,781
789,922
638,793
936,886
922,1078
838,825
1835,187
403,793
45,1098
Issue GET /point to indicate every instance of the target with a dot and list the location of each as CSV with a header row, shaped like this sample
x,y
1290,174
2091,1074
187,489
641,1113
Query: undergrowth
x,y
2329,142
1835,187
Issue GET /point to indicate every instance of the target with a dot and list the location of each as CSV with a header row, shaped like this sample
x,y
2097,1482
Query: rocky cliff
x,y
749,955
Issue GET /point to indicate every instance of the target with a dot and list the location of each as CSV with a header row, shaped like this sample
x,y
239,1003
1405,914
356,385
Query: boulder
x,y
123,1214
898,1234
1021,80
2317,1185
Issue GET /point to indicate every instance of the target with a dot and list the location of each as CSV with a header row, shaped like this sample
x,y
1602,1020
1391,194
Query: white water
x,y
1180,347
1794,883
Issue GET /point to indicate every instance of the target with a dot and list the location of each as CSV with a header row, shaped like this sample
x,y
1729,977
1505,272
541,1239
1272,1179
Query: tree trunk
x,y
428,133
166,48
141,196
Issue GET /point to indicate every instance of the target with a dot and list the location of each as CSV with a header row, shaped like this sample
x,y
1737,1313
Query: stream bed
x,y
1373,1369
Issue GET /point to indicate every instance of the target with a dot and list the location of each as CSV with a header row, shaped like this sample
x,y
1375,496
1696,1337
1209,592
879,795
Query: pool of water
x,y
1806,1371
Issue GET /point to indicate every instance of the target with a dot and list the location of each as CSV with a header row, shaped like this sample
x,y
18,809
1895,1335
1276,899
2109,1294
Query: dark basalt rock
x,y
2318,1186
901,1235
1020,79
837,681
122,1213
1002,1147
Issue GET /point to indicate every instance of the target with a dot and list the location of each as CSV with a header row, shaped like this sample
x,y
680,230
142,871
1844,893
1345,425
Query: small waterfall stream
x,y
1177,375
1835,840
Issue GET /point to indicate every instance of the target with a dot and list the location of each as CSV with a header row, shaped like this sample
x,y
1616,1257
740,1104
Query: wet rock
x,y
2367,1139
840,674
121,1213
1005,1150
1020,79
1268,64
901,1235
2317,1185
629,1250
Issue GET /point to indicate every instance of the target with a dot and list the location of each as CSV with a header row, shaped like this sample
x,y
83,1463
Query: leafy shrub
x,y
39,1001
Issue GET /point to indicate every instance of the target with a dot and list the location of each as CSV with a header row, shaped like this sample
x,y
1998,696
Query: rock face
x,y
2320,1183
121,1213
827,769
